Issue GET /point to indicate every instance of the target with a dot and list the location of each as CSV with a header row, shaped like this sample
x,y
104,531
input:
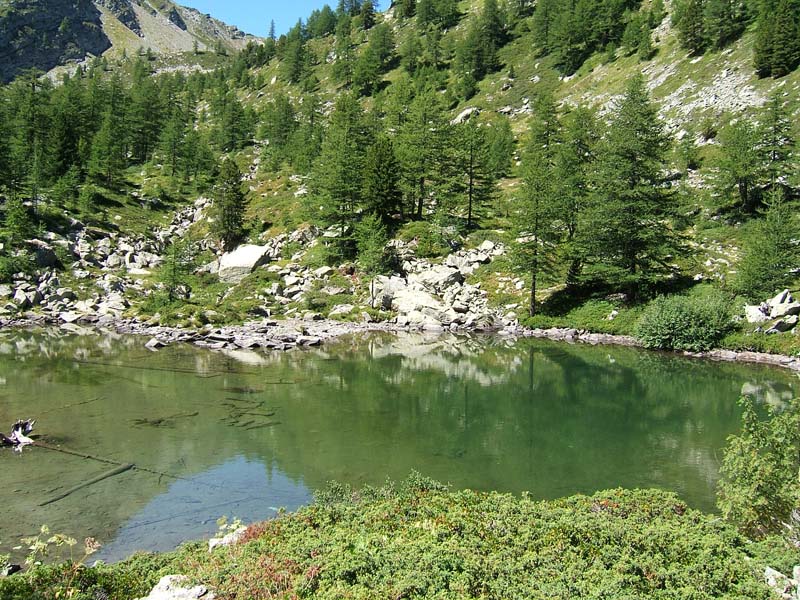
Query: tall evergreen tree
x,y
337,178
535,251
785,38
740,164
632,207
229,206
777,142
769,253
382,194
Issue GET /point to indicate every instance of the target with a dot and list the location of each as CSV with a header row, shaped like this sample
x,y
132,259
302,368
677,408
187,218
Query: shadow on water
x,y
243,433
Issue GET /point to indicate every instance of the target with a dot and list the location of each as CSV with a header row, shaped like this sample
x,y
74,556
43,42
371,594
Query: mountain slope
x,y
43,34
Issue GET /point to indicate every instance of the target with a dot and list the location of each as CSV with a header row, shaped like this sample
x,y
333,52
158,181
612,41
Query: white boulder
x,y
238,264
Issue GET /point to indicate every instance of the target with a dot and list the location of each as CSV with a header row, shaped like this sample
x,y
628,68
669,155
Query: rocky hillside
x,y
43,34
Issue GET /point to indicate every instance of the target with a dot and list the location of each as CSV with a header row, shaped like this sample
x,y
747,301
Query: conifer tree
x,y
769,253
740,164
367,14
785,38
108,150
777,142
229,206
535,249
382,196
371,239
631,208
690,21
337,178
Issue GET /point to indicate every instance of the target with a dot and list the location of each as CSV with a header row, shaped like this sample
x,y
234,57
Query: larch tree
x,y
632,206
229,206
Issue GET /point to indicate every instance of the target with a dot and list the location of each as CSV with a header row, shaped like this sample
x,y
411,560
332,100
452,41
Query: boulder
x,y
437,278
785,309
175,587
323,272
341,309
756,313
782,298
235,266
228,539
784,324
465,115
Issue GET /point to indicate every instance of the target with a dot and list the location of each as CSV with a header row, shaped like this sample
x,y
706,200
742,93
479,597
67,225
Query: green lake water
x,y
243,434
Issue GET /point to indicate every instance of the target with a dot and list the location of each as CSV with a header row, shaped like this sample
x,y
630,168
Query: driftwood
x,y
18,438
115,471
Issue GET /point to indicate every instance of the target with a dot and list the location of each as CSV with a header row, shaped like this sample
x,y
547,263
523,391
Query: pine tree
x,y
108,150
337,178
574,163
631,208
724,21
769,253
419,149
785,39
19,224
471,176
689,19
777,142
229,206
382,196
371,240
535,250
171,141
740,164
176,268
764,43
367,14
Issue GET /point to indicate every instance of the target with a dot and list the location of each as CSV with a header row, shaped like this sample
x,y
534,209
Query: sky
x,y
254,16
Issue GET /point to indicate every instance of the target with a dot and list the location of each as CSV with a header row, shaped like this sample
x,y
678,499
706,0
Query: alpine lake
x,y
245,434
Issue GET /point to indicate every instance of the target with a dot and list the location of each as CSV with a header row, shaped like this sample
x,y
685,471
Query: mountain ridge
x,y
45,34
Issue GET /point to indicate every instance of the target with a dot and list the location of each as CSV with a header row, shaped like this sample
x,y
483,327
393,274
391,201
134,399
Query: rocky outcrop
x,y
43,34
123,10
177,587
239,263
777,315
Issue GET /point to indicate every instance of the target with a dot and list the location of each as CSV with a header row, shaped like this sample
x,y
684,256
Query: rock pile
x,y
780,313
437,296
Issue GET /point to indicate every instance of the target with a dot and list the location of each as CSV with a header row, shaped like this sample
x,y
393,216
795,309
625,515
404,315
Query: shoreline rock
x,y
286,334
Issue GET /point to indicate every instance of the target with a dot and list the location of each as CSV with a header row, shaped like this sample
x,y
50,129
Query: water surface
x,y
243,434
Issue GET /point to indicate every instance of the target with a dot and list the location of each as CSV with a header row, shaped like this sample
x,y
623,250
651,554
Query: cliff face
x,y
45,33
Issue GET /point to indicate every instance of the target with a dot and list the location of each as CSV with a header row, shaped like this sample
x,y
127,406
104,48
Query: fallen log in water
x,y
99,478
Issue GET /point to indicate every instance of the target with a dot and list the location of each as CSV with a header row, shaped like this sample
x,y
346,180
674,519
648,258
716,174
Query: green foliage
x,y
759,491
178,264
631,210
373,257
415,539
18,222
777,46
430,238
229,206
685,322
769,253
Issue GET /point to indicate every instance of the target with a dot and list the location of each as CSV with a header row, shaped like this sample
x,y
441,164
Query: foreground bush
x,y
759,490
420,541
684,323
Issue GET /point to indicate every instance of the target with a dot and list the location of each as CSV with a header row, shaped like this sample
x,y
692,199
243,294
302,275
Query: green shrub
x,y
684,322
759,489
430,238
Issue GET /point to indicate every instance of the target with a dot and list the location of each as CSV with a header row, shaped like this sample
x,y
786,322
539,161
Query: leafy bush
x,y
759,490
430,238
684,322
20,263
418,540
